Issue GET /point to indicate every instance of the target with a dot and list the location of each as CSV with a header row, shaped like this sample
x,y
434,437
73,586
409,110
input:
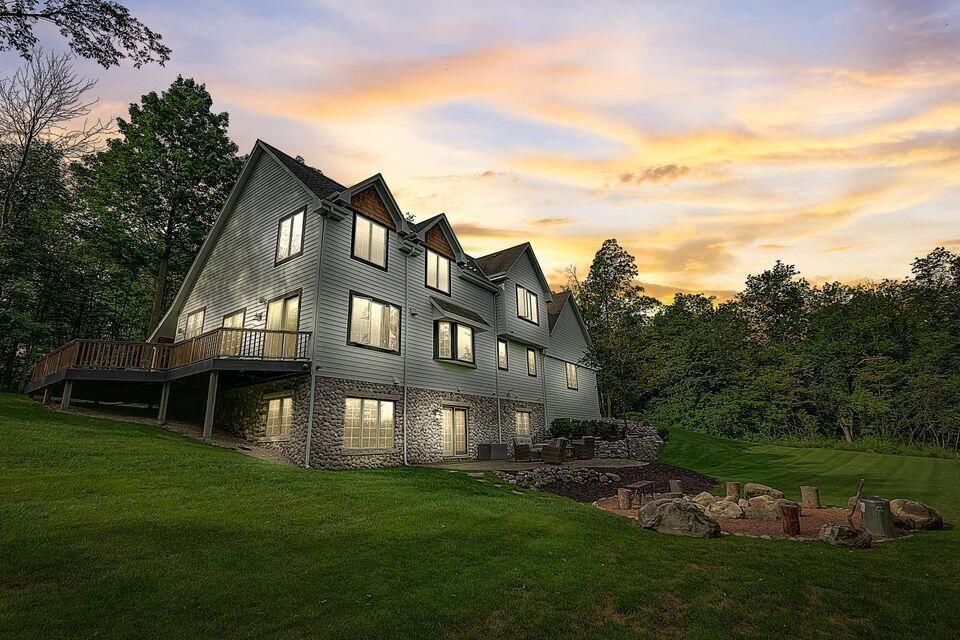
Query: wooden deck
x,y
232,344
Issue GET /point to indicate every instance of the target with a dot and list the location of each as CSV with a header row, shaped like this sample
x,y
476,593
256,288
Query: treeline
x,y
100,222
784,359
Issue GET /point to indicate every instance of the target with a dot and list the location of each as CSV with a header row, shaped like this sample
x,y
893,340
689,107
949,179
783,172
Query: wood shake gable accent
x,y
369,203
435,240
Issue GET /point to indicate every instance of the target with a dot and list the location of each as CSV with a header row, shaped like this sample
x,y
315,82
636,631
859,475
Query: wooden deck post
x,y
164,401
65,396
211,405
47,392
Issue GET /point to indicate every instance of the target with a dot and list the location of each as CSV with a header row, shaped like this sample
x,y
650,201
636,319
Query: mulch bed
x,y
662,474
810,522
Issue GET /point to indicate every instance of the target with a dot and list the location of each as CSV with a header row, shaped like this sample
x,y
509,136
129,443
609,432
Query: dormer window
x,y
527,306
438,272
369,241
290,236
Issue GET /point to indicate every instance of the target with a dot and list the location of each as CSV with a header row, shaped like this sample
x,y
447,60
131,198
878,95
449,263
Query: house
x,y
318,320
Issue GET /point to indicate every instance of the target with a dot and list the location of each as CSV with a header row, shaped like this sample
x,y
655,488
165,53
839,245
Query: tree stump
x,y
790,518
624,498
733,490
676,486
810,497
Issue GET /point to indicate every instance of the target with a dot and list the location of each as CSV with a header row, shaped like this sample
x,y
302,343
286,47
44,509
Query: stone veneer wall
x,y
243,413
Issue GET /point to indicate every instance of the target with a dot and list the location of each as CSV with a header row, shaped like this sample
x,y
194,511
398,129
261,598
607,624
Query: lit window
x,y
527,305
531,362
194,324
571,375
368,423
502,360
522,422
279,416
290,236
454,341
438,272
369,241
374,324
231,337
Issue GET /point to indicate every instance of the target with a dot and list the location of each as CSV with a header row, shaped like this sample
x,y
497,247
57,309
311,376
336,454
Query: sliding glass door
x,y
454,431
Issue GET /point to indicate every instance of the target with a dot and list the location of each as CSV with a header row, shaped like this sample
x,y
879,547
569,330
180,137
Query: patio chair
x,y
555,453
524,450
583,449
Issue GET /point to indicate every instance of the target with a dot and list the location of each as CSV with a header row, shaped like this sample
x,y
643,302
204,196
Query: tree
x,y
38,106
156,191
100,30
614,310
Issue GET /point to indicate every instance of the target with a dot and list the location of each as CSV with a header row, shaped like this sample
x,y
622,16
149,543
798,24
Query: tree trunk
x,y
847,433
790,518
733,490
159,290
624,498
810,497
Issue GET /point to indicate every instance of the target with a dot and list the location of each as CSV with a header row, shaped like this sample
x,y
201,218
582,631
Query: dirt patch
x,y
811,520
662,474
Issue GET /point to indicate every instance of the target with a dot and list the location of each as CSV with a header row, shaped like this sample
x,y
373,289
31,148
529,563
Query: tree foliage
x,y
154,192
101,30
786,359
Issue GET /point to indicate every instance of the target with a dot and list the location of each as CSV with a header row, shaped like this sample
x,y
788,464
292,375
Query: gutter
x,y
496,377
410,250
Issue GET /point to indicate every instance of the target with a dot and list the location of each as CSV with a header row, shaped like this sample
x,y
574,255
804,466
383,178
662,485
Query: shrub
x,y
571,428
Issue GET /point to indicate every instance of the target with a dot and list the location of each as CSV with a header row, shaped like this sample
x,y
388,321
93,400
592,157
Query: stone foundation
x,y
242,412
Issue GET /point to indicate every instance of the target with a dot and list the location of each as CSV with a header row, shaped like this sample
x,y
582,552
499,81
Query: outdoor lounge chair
x,y
555,453
524,450
583,449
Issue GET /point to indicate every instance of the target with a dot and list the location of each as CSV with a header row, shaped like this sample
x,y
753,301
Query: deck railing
x,y
252,344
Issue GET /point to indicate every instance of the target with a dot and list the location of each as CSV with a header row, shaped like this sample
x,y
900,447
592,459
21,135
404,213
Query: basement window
x,y
368,423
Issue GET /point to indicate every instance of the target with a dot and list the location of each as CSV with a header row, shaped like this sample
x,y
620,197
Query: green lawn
x,y
113,530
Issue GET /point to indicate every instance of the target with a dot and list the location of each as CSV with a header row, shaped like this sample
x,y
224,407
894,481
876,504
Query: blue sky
x,y
710,138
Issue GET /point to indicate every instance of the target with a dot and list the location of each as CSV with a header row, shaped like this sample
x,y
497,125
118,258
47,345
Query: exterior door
x,y
454,432
231,338
282,315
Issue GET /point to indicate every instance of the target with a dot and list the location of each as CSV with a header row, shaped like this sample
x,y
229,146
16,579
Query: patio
x,y
512,465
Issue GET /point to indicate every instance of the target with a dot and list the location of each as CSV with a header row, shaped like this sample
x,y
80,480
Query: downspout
x,y
496,336
543,381
313,355
404,333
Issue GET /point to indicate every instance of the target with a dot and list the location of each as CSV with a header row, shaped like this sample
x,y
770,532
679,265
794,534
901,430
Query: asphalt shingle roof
x,y
500,262
554,308
319,184
457,310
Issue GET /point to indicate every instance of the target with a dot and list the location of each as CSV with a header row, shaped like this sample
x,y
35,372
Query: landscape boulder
x,y
704,498
754,489
678,517
742,503
839,535
911,514
763,502
724,509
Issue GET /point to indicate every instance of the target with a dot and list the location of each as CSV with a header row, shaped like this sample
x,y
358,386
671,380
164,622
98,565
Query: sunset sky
x,y
710,138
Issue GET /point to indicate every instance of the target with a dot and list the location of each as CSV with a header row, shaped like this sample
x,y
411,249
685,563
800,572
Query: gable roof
x,y
317,185
386,197
563,300
313,179
440,222
498,265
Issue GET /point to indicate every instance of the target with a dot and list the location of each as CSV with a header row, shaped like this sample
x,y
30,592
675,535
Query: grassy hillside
x,y
118,530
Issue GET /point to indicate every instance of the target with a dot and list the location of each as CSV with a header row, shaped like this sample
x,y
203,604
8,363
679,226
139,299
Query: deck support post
x,y
211,405
164,401
65,396
47,392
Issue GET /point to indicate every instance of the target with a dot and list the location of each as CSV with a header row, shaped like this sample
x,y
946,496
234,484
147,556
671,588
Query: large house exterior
x,y
317,320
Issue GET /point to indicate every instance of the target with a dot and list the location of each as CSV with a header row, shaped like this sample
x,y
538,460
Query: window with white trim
x,y
453,341
527,305
374,323
279,416
369,241
195,324
522,422
503,360
368,423
531,362
571,375
438,272
290,236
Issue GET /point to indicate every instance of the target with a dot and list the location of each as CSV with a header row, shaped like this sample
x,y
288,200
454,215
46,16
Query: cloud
x,y
552,222
470,229
664,173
